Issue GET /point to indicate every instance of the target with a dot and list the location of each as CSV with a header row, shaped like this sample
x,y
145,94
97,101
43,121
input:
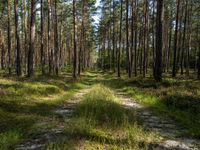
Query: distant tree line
x,y
46,34
150,37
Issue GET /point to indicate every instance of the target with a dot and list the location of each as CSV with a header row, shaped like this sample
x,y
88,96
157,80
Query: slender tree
x,y
175,40
9,37
49,38
135,36
145,37
81,38
132,34
74,41
42,55
32,38
158,62
184,36
120,41
127,39
56,46
25,35
113,37
2,45
18,52
198,74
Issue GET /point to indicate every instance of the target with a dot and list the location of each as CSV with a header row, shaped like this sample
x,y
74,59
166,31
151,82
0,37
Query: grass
x,y
27,104
101,122
176,98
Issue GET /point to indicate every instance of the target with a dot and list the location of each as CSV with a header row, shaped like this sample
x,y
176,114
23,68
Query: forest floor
x,y
98,111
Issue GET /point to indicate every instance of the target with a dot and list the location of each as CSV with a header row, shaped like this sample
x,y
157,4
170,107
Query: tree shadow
x,y
20,104
176,99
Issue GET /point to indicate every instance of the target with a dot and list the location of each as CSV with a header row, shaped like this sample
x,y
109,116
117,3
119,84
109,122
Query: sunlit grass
x,y
101,122
27,104
102,106
177,98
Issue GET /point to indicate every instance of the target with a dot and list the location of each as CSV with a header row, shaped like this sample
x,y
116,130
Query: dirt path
x,y
65,112
166,127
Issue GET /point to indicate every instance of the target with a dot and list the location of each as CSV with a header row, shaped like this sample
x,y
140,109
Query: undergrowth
x,y
101,122
176,98
27,104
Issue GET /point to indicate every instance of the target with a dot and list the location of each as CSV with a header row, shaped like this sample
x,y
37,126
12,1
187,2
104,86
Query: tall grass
x,y
101,106
27,104
9,139
101,122
176,98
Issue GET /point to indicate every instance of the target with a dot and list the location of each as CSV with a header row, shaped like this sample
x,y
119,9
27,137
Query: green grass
x,y
96,106
101,122
27,104
177,98
9,139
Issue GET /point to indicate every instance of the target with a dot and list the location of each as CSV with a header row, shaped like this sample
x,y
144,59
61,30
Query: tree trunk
x,y
145,37
127,39
153,36
180,37
113,37
56,38
132,34
135,36
120,42
189,38
81,38
25,35
42,55
175,40
49,38
2,46
158,62
18,51
32,38
74,41
9,38
198,74
170,44
184,35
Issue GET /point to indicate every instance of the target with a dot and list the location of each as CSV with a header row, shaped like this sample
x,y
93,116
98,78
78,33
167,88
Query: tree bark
x,y
74,41
198,73
2,46
32,38
127,39
175,40
9,38
18,51
42,55
158,62
56,38
135,36
49,38
120,42
25,35
184,35
145,37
